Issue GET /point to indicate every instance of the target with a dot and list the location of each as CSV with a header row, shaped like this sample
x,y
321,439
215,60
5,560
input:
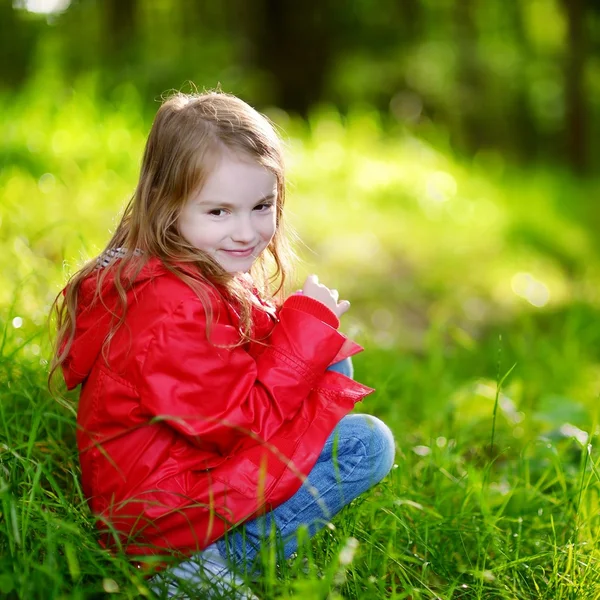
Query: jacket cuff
x,y
313,307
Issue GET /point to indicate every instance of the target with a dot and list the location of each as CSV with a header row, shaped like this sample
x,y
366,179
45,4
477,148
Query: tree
x,y
120,22
576,117
293,43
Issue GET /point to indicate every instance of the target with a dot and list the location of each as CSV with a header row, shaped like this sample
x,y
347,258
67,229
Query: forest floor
x,y
474,289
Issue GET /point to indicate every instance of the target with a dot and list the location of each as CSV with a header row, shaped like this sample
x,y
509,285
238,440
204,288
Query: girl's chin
x,y
238,266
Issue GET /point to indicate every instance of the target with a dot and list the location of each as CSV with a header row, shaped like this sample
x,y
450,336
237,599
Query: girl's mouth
x,y
241,253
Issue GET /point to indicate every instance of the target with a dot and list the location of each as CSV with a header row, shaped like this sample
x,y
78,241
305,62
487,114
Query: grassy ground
x,y
474,289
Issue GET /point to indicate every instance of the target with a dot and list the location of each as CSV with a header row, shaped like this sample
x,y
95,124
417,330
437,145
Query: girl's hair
x,y
189,134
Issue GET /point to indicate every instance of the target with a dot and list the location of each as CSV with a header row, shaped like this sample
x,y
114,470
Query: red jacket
x,y
179,438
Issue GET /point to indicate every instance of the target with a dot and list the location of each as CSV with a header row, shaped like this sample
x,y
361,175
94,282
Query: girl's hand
x,y
330,298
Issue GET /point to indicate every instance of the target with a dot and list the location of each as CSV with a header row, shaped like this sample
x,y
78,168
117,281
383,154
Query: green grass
x,y
463,275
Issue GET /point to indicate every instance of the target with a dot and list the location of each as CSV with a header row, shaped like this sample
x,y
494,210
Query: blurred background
x,y
443,158
521,78
443,175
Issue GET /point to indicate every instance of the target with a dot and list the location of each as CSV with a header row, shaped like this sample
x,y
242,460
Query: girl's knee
x,y
382,445
378,442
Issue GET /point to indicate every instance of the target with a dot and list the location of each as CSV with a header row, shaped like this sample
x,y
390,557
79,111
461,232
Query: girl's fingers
x,y
343,306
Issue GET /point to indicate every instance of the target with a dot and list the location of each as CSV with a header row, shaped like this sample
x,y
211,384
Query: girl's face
x,y
232,217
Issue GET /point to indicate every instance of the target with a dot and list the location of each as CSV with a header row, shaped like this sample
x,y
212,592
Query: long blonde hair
x,y
189,133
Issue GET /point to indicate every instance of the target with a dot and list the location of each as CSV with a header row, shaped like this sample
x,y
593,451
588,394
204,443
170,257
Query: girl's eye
x,y
264,207
217,212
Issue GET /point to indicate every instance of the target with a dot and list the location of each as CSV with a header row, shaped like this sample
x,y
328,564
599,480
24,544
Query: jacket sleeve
x,y
216,395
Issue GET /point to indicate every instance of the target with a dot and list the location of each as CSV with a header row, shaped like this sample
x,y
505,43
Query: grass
x,y
473,288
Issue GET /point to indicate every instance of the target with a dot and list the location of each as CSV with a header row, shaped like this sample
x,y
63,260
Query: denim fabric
x,y
344,367
358,454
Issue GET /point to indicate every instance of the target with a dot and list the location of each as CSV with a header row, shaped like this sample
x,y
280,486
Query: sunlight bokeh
x,y
45,7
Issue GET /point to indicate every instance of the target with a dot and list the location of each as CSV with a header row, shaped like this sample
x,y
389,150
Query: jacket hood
x,y
95,316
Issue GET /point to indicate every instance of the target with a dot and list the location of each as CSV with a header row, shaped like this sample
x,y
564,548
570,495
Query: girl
x,y
206,401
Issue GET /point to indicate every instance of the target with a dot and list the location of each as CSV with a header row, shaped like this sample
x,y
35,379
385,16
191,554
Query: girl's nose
x,y
244,231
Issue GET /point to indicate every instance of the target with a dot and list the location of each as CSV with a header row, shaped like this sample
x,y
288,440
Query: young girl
x,y
207,402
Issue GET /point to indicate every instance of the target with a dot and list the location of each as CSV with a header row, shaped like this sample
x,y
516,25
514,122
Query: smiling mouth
x,y
241,253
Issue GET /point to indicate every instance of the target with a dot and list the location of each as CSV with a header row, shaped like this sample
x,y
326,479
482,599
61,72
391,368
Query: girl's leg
x,y
358,454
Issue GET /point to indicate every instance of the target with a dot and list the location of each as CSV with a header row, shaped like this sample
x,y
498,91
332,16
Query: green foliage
x,y
488,74
456,271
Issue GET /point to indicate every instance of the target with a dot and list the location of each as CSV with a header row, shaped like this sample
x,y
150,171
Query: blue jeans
x,y
358,454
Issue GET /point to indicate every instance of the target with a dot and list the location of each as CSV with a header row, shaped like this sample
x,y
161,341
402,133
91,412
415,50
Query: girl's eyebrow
x,y
229,205
270,196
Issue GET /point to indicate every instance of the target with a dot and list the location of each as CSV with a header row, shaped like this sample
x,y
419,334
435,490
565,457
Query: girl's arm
x,y
216,395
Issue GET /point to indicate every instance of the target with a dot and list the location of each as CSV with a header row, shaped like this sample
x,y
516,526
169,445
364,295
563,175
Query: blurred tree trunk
x,y
576,120
293,43
194,17
469,80
17,45
407,20
120,23
412,23
524,131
